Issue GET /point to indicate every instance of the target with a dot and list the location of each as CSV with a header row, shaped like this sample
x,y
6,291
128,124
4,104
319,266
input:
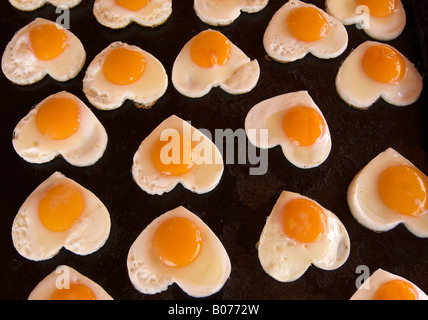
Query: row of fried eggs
x,y
150,266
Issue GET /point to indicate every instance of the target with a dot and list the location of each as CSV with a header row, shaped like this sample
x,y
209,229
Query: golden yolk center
x,y
383,63
177,242
60,207
210,48
303,125
47,41
396,290
58,118
76,291
173,157
133,5
303,220
307,24
404,189
124,66
379,8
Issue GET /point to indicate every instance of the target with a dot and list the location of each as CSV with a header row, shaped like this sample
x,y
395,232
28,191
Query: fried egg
x,y
60,125
178,247
383,285
43,48
299,28
60,213
122,72
300,232
176,152
294,122
116,14
222,13
388,191
65,283
375,70
210,60
382,20
30,5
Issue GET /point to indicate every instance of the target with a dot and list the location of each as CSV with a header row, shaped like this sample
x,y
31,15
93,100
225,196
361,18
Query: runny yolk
x,y
307,24
383,63
379,8
210,48
303,220
47,41
404,190
60,207
58,118
132,5
396,290
124,66
177,242
173,157
303,125
76,291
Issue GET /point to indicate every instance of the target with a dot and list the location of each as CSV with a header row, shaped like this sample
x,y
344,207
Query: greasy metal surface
x,y
237,209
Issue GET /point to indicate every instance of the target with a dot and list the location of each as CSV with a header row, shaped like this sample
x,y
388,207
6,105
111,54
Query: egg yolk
x,y
58,118
132,5
48,41
379,8
383,63
404,190
396,290
60,207
177,242
303,125
307,24
76,291
210,48
303,220
173,157
124,66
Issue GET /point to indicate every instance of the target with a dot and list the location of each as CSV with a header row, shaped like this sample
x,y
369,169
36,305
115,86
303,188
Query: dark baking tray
x,y
237,209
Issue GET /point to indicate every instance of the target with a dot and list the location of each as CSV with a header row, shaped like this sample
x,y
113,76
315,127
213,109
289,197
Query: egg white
x,y
238,76
205,276
30,5
281,46
22,67
268,115
201,178
144,92
84,148
286,260
222,13
35,242
46,287
366,204
360,91
113,16
383,29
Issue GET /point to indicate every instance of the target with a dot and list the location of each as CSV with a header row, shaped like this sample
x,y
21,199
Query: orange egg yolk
x,y
58,118
307,24
124,66
177,242
383,63
303,125
76,291
133,5
404,190
47,41
396,290
379,8
173,157
303,220
210,48
60,207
